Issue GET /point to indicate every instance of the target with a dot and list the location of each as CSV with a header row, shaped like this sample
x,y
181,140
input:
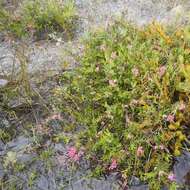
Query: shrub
x,y
39,17
131,95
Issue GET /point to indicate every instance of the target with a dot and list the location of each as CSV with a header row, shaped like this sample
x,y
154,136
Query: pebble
x,y
3,83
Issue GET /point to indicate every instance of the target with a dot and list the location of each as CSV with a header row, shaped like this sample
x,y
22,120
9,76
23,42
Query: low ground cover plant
x,y
131,96
36,17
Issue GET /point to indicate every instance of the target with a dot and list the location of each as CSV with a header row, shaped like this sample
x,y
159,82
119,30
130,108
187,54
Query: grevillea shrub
x,y
131,96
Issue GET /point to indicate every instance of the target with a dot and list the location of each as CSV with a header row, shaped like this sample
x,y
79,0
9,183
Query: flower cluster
x,y
113,164
74,155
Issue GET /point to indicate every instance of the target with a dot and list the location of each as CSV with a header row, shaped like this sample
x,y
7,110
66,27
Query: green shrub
x,y
131,95
38,17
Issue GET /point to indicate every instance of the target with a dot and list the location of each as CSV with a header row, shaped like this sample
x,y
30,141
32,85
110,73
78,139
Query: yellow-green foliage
x,y
39,16
131,95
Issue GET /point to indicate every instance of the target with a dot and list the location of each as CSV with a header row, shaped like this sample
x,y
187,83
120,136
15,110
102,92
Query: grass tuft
x,y
36,17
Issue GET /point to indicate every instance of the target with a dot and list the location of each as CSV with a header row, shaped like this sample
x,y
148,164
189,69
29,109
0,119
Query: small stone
x,y
3,83
59,147
96,184
139,187
4,123
19,144
136,184
135,181
2,146
2,173
25,158
17,103
42,183
46,181
182,168
175,15
177,11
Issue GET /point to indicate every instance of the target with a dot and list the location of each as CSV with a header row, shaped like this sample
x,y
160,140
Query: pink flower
x,y
140,151
113,55
155,147
135,72
103,47
161,147
171,177
72,151
182,107
97,69
162,70
112,83
170,118
113,164
74,155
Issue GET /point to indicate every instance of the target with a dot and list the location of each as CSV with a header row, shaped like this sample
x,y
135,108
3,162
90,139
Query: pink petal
x,y
112,83
140,151
71,152
135,72
170,118
171,177
113,164
76,157
113,55
182,107
162,70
